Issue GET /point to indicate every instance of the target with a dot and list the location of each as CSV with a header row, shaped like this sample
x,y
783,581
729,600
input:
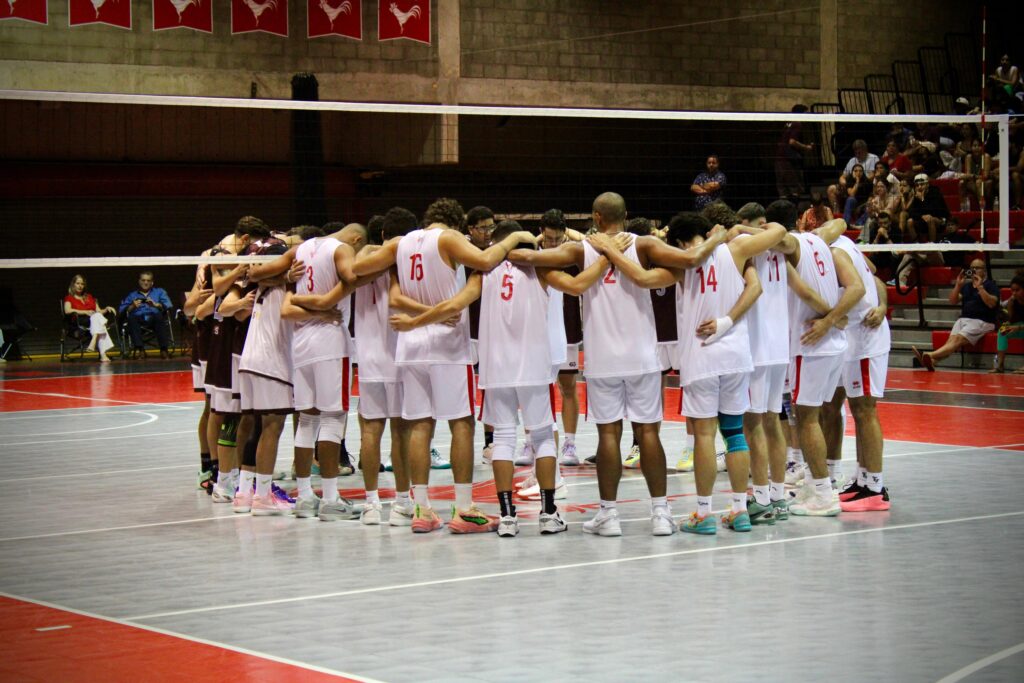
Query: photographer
x,y
979,307
146,307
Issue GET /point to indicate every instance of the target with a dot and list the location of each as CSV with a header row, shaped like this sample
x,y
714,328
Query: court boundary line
x,y
195,639
111,374
86,398
152,418
982,663
34,414
575,565
100,474
97,438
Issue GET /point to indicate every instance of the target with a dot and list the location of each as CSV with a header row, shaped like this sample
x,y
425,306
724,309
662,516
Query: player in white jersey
x,y
623,375
434,360
714,353
818,348
863,382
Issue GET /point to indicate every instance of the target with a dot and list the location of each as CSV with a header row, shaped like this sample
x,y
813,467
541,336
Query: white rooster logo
x,y
259,8
182,5
10,3
404,16
333,12
96,5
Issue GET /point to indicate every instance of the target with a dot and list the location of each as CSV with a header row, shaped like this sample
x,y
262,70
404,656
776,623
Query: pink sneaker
x,y
867,501
242,502
263,506
472,521
425,520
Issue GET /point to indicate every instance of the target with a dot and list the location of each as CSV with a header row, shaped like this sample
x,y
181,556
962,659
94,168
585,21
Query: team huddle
x,y
771,328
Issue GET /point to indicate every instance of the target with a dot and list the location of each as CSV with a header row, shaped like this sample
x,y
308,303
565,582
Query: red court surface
x,y
41,643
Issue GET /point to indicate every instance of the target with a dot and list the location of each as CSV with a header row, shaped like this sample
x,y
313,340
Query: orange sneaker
x,y
425,520
471,521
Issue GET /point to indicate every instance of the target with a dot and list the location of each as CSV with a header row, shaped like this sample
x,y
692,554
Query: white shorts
x,y
442,392
814,379
866,376
668,356
264,395
972,329
236,391
637,398
474,351
572,359
380,400
767,384
221,401
198,375
728,394
324,385
500,406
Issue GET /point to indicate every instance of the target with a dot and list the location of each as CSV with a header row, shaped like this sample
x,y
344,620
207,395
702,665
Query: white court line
x,y
945,405
99,474
91,376
34,414
99,438
963,673
150,419
575,565
195,639
122,528
93,398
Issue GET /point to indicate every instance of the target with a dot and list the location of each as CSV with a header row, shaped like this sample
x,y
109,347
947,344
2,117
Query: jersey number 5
x,y
416,267
506,287
711,281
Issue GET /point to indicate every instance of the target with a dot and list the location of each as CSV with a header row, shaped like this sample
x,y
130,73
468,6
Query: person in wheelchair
x,y
85,319
147,308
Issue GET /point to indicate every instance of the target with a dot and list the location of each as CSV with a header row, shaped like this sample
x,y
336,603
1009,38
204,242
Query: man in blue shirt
x,y
147,307
708,186
979,307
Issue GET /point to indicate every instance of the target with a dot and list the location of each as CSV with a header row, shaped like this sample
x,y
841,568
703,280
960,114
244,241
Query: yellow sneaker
x,y
685,463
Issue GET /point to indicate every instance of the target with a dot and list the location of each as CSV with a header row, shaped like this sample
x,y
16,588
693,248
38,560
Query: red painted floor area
x,y
106,389
956,381
95,649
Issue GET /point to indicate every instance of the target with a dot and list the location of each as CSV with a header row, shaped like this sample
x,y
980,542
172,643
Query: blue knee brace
x,y
731,427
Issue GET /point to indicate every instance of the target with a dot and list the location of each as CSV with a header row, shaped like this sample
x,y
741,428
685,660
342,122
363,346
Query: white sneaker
x,y
242,502
552,523
488,452
533,492
401,515
569,457
527,483
526,455
816,506
223,494
306,507
661,521
371,514
508,526
604,523
720,461
339,509
800,494
840,482
795,473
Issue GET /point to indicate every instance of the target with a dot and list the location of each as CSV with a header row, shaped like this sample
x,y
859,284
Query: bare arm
x,y
344,259
444,310
745,249
278,266
205,309
222,281
330,299
831,231
853,291
648,278
805,293
574,285
234,302
402,302
876,315
563,256
658,253
751,291
377,260
290,311
462,251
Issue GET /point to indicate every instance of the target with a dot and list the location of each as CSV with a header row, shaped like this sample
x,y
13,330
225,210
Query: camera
x,y
968,273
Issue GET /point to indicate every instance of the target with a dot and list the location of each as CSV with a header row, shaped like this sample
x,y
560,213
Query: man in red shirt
x,y
899,164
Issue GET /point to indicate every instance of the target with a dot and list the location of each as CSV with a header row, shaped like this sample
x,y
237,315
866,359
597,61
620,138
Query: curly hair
x,y
446,212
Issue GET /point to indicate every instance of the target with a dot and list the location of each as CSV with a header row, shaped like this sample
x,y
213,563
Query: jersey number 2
x,y
609,277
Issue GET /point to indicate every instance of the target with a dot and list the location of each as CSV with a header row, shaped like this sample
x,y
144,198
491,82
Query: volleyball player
x,y
479,229
200,292
434,361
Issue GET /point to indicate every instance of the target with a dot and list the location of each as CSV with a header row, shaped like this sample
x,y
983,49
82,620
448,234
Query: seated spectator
x,y
955,234
880,202
817,215
146,307
926,211
80,304
979,308
858,190
1013,326
897,162
884,231
835,201
708,186
976,181
1006,77
1016,158
861,156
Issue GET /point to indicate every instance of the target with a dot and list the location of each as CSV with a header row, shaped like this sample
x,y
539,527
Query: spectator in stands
x,y
979,306
147,307
976,181
1013,326
708,186
897,162
835,201
1016,158
926,211
968,134
861,156
884,231
80,304
858,190
955,234
817,215
1006,77
881,201
789,159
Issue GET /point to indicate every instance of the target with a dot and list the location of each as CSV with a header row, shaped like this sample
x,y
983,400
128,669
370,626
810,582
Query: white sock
x,y
420,495
245,480
223,479
463,496
570,438
862,476
689,442
703,506
607,505
808,477
403,498
329,489
795,454
305,487
833,468
372,497
823,487
263,482
777,491
235,473
761,495
874,481
660,501
739,502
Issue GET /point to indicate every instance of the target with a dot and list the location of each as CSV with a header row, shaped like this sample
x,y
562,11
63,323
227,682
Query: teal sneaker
x,y
760,514
705,526
204,480
781,509
437,462
737,521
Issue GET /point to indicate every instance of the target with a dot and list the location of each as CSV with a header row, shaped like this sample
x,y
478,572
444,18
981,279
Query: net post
x,y
1003,191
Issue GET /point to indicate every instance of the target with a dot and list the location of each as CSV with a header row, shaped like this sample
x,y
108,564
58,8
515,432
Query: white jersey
x,y
863,341
513,308
556,327
317,340
618,323
707,293
818,270
375,338
425,277
768,318
268,343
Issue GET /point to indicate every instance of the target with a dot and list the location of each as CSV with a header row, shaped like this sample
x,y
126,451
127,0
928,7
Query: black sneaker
x,y
851,490
592,460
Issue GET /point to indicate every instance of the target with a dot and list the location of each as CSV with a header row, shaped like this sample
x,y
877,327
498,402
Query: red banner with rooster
x,y
334,18
269,16
113,12
194,14
403,19
29,10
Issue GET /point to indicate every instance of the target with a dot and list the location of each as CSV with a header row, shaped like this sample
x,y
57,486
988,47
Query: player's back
x,y
268,344
376,339
816,268
314,339
768,318
513,313
863,341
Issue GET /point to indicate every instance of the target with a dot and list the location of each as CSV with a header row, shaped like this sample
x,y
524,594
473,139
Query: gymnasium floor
x,y
114,568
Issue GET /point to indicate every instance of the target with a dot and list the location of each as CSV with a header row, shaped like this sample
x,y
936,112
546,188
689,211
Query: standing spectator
x,y
708,186
861,156
789,159
1013,328
78,302
926,211
146,307
978,310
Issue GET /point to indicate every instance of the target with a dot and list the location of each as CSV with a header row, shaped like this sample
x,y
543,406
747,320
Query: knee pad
x,y
543,441
228,431
731,427
332,427
504,444
305,435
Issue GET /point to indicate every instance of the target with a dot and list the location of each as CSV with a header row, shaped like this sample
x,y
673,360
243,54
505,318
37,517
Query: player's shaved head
x,y
354,235
611,208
